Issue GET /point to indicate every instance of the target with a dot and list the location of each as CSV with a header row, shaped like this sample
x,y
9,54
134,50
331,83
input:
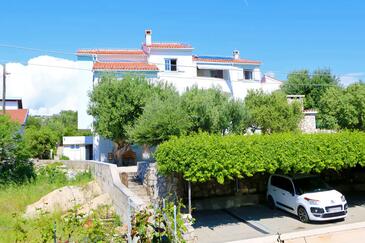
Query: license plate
x,y
335,209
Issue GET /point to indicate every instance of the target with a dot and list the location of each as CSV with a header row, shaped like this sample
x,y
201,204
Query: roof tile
x,y
168,45
19,115
110,52
125,66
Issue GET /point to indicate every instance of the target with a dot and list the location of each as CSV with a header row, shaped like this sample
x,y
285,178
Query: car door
x,y
285,194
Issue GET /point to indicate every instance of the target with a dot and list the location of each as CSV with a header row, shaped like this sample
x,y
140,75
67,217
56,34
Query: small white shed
x,y
78,147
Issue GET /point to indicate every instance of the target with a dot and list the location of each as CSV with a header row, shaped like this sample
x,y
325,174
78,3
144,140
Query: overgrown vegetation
x,y
43,134
202,157
14,198
156,224
15,165
100,225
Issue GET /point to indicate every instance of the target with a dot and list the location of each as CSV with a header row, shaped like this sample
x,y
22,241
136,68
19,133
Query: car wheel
x,y
303,215
270,202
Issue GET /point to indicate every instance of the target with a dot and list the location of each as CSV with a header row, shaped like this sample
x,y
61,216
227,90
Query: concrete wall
x,y
185,65
101,148
74,152
107,176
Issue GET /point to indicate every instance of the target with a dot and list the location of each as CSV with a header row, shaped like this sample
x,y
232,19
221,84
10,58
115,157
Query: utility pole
x,y
4,87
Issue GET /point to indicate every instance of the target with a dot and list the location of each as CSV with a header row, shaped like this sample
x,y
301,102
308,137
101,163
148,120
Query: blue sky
x,y
286,35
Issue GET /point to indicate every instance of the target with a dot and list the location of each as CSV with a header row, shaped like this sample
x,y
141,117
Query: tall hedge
x,y
203,157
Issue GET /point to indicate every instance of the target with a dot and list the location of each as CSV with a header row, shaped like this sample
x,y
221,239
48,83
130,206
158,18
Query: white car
x,y
308,197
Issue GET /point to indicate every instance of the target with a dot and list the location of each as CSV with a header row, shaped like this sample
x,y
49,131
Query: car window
x,y
310,184
282,183
288,186
275,181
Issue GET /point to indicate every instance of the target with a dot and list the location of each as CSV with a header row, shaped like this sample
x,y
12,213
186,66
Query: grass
x,y
15,198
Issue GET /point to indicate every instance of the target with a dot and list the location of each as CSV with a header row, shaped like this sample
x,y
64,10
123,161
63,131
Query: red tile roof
x,y
110,52
225,60
125,66
19,115
169,45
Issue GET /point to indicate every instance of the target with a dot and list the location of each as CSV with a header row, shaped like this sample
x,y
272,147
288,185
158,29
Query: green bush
x,y
202,157
15,165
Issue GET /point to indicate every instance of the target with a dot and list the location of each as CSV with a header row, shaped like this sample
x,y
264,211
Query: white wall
x,y
185,65
74,153
101,148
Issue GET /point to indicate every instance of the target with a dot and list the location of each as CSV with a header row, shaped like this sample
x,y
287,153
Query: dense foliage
x,y
343,108
116,104
62,124
40,141
312,85
208,110
43,133
203,157
15,165
211,110
160,120
272,112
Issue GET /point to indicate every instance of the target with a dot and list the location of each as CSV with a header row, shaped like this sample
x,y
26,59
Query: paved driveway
x,y
258,220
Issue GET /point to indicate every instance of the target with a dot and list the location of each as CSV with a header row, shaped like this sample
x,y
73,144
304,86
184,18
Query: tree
x,y
15,165
116,104
343,108
160,120
272,112
313,86
63,124
211,110
40,142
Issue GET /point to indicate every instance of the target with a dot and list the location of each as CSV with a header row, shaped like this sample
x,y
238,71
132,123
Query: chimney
x,y
148,37
236,54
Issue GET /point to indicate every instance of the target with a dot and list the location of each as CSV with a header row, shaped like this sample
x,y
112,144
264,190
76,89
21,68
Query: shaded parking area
x,y
258,220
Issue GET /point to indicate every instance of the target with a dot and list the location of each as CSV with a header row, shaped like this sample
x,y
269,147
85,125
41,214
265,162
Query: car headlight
x,y
312,201
343,199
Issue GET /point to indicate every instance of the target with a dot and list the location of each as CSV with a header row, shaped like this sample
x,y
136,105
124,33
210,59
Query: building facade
x,y
177,64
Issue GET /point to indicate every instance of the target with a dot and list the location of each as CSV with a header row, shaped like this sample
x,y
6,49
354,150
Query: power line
x,y
74,54
36,49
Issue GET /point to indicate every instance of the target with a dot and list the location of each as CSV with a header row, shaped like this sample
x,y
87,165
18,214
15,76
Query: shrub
x,y
15,165
202,157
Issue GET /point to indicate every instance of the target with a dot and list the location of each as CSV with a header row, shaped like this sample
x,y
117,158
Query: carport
x,y
225,177
257,219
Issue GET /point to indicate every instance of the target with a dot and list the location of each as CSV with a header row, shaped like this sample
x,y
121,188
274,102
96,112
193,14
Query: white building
x,y
175,63
78,147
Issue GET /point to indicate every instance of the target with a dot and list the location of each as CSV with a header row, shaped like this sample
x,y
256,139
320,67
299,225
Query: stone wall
x,y
308,123
159,186
208,195
107,176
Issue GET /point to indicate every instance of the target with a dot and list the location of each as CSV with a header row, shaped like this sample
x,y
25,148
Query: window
x,y
248,74
282,183
170,64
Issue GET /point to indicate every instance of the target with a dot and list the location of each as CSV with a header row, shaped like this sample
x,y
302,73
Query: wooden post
x,y
189,196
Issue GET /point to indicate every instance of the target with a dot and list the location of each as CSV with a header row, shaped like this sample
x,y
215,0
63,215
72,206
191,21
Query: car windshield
x,y
310,184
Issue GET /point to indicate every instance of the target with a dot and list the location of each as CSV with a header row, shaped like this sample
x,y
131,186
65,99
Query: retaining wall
x,y
107,176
